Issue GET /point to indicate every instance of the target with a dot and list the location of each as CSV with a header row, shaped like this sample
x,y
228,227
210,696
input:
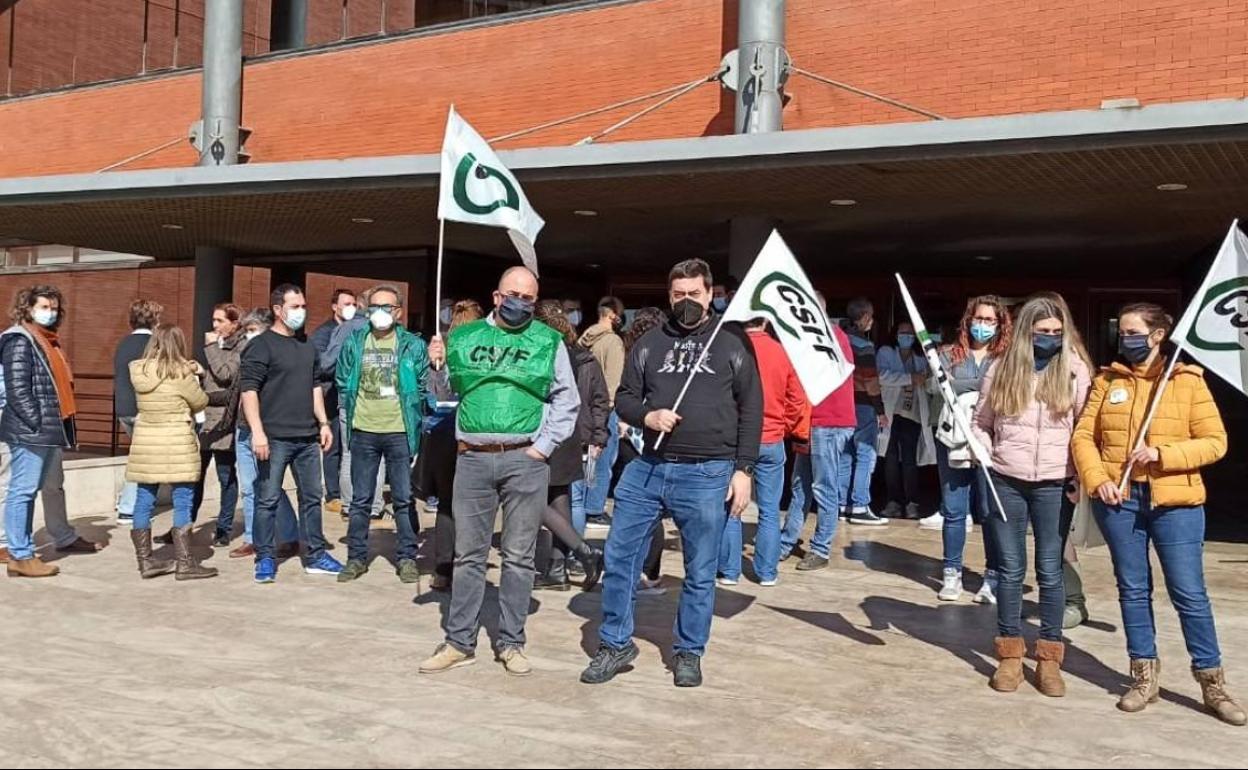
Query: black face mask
x,y
516,312
688,313
1134,348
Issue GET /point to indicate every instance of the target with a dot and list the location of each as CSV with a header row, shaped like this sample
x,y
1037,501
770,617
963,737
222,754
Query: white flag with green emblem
x,y
776,288
1214,328
478,189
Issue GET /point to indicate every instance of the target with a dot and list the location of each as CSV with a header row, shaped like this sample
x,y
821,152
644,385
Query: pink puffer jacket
x,y
1034,445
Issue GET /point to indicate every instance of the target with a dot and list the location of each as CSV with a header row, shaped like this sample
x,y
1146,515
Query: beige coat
x,y
165,449
608,350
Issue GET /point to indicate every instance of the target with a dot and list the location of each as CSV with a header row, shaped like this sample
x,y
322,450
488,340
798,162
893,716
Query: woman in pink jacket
x,y
1031,398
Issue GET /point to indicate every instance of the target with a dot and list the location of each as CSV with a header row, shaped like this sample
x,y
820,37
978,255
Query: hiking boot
x,y
353,570
445,658
951,589
1049,658
1145,686
188,567
1213,686
813,561
34,567
687,670
608,662
1009,675
407,571
514,662
334,506
149,567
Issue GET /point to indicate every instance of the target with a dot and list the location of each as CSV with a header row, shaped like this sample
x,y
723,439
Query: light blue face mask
x,y
719,304
905,341
982,332
936,338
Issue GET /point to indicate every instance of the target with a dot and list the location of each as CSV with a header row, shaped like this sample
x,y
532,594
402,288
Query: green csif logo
x,y
1223,317
510,200
795,312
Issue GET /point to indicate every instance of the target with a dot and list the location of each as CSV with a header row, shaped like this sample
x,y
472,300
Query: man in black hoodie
x,y
702,473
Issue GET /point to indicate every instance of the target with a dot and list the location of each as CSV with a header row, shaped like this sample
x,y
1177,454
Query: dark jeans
x,y
227,477
332,460
367,451
1178,535
303,457
901,463
439,448
1044,504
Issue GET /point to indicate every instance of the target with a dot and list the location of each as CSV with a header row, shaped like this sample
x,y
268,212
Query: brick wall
x,y
958,57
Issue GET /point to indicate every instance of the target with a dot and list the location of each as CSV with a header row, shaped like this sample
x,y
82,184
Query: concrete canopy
x,y
1049,190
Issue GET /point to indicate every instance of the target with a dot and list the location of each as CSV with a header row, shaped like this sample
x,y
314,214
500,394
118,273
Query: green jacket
x,y
413,380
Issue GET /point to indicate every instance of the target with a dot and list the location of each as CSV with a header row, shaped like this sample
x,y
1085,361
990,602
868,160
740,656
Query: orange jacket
x,y
1187,431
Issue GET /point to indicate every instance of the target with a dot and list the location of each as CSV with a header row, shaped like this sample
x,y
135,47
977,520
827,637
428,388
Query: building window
x,y
52,255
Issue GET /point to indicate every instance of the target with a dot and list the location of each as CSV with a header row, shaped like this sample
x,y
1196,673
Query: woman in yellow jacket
x,y
165,449
1163,503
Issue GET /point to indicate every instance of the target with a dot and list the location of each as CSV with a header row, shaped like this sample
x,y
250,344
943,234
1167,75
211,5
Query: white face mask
x,y
251,335
381,320
45,317
348,312
296,318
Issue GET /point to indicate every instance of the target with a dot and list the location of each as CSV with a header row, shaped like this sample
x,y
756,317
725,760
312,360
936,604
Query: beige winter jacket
x,y
165,449
608,349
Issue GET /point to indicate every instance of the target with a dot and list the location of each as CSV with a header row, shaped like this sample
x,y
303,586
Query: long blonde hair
x,y
167,350
1016,382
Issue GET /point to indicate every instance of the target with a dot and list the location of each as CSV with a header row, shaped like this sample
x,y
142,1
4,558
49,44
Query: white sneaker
x,y
726,582
647,587
988,592
935,521
951,590
970,523
768,583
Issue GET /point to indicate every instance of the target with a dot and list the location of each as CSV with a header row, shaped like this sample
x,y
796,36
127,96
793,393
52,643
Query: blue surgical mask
x,y
296,318
719,304
1134,348
936,338
574,318
982,332
905,341
45,317
1045,347
515,311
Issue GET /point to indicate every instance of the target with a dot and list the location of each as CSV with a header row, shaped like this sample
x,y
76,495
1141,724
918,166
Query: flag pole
x,y
437,294
1148,419
706,350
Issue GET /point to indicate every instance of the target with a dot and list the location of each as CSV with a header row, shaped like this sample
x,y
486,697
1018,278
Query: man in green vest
x,y
381,377
518,402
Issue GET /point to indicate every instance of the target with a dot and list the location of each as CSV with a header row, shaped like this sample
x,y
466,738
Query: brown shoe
x,y
1049,658
243,551
149,567
34,567
287,550
82,545
334,506
1217,699
1145,686
4,555
1009,675
188,566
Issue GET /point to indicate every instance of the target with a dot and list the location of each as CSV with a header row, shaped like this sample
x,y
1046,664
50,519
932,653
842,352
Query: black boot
x,y
592,560
555,578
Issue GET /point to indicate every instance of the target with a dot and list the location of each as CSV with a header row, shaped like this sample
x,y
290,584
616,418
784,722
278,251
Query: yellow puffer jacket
x,y
165,449
1187,431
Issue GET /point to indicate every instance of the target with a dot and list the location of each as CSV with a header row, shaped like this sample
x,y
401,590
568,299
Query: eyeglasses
x,y
990,320
387,308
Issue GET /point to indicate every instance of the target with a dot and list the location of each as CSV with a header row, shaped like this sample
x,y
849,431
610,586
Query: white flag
x,y
1214,328
478,189
776,288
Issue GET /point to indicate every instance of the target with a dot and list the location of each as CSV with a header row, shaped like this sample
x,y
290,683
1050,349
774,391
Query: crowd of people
x,y
520,411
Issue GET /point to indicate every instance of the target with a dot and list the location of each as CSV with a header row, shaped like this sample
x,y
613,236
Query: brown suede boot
x,y
34,567
1217,699
1010,651
188,565
1145,686
1049,657
149,567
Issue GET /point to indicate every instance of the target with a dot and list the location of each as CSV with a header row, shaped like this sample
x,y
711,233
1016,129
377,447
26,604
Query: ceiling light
x,y
985,258
593,265
1172,187
843,202
363,220
585,213
171,226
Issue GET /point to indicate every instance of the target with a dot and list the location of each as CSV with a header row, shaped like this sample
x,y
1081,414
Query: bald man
x,y
518,401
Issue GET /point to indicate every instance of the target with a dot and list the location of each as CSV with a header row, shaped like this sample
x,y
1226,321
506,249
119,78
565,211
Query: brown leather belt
x,y
492,449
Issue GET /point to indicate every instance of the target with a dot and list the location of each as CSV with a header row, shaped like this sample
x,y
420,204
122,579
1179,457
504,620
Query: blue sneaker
x,y
431,504
266,570
326,565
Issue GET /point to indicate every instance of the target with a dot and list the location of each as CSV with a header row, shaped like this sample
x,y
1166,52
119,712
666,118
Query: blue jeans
x,y
367,451
248,482
817,476
590,500
145,504
858,459
129,490
303,457
1044,504
1178,534
694,494
963,490
30,467
768,489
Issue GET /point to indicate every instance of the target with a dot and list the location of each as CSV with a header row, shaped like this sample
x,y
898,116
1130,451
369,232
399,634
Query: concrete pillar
x,y
214,283
288,25
222,101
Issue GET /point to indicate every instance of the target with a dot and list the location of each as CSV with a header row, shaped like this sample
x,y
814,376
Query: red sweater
x,y
837,410
783,397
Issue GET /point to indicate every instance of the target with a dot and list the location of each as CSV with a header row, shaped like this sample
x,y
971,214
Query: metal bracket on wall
x,y
782,65
196,137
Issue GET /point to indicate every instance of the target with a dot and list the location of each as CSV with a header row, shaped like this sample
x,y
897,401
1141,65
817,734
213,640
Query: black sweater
x,y
129,349
721,415
283,370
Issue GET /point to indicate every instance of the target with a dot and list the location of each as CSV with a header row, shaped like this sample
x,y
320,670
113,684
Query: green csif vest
x,y
502,376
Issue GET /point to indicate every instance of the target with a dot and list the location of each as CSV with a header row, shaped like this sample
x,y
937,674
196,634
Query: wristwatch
x,y
748,470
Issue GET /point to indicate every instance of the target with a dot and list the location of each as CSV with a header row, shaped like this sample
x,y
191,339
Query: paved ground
x,y
853,666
